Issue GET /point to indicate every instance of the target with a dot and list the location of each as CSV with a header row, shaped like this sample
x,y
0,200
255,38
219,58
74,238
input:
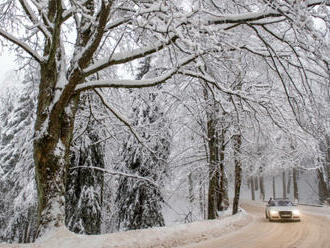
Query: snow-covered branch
x,y
259,15
130,83
311,3
117,23
29,12
121,118
118,116
242,18
22,45
210,80
118,173
124,57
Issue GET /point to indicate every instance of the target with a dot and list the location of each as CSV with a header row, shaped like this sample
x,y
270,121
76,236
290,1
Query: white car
x,y
282,209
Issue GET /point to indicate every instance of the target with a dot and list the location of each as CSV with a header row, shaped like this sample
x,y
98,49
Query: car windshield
x,y
281,203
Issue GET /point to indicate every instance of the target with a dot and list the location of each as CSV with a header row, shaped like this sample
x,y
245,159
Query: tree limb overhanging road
x,y
311,232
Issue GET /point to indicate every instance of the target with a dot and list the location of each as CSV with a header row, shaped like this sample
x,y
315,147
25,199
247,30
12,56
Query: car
x,y
282,209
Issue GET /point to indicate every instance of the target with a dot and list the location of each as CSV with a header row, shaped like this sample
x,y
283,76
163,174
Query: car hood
x,y
283,208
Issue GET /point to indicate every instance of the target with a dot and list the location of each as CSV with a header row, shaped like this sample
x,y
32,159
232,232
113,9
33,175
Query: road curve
x,y
312,232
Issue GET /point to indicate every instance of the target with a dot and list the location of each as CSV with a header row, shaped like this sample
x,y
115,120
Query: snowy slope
x,y
154,237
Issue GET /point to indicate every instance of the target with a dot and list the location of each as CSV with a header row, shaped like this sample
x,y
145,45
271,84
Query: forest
x,y
131,114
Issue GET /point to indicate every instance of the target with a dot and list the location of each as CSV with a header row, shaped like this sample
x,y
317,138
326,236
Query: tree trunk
x,y
212,192
256,183
51,155
324,172
223,199
238,172
252,189
53,134
262,187
295,185
191,188
213,161
274,188
289,183
202,198
213,176
284,184
323,189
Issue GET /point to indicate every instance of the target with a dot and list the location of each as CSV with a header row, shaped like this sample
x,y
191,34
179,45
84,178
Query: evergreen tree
x,y
140,203
85,185
18,198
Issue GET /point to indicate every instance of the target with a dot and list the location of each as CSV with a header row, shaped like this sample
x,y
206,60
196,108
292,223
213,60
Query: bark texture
x,y
57,106
53,134
238,172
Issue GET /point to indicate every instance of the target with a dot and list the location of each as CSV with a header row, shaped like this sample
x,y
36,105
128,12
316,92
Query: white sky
x,y
7,64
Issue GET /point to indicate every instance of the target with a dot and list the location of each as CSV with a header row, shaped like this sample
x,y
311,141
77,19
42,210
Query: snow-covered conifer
x,y
18,195
84,184
139,203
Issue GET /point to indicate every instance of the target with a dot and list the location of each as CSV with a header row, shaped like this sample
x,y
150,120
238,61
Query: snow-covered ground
x,y
164,237
322,211
161,237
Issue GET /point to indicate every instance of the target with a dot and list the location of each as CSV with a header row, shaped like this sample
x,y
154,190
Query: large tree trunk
x,y
53,134
51,155
238,172
57,106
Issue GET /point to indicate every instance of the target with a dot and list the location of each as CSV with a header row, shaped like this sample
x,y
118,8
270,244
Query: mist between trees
x,y
135,114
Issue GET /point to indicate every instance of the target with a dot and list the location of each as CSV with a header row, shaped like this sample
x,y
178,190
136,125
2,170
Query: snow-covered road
x,y
311,232
244,230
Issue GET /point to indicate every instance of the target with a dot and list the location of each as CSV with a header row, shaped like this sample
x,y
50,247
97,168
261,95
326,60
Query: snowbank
x,y
319,211
162,237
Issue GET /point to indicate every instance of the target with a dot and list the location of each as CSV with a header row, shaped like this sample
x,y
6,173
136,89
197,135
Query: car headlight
x,y
273,212
296,212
